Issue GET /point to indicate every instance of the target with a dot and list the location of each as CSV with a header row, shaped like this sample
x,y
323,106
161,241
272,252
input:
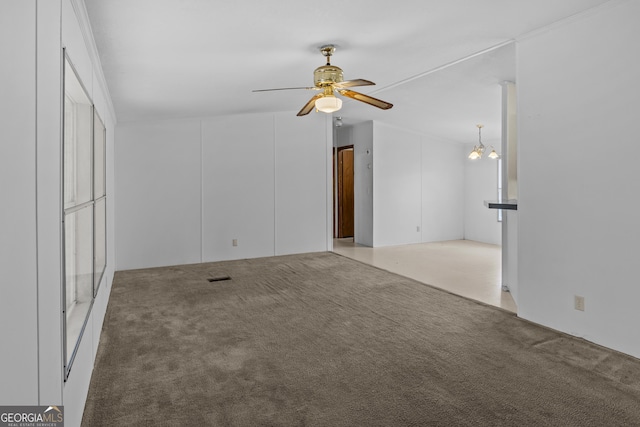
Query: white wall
x,y
18,258
443,187
361,136
187,188
578,92
418,187
238,184
510,253
480,184
303,183
397,186
416,183
31,311
158,194
49,201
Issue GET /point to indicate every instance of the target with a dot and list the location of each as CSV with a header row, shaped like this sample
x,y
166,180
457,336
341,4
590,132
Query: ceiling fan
x,y
328,79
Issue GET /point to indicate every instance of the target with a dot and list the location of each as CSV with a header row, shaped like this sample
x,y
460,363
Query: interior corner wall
x,y
480,184
578,234
361,136
187,189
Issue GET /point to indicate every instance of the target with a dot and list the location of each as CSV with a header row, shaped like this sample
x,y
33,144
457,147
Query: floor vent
x,y
219,279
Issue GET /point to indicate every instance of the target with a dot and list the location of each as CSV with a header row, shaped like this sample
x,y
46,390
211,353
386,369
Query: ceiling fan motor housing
x,y
326,75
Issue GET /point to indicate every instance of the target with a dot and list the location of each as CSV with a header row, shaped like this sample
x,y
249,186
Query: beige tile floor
x,y
463,267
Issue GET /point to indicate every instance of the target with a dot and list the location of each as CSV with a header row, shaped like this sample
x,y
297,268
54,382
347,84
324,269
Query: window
x,y
84,209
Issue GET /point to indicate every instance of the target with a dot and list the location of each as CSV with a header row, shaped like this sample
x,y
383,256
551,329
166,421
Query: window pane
x,y
100,242
78,135
78,231
98,157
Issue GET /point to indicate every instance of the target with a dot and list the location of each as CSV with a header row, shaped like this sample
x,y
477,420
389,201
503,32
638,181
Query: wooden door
x,y
345,192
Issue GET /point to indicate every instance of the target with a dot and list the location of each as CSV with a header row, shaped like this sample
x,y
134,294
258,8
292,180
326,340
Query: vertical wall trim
x,y
48,274
201,194
60,210
465,173
330,133
275,193
421,189
35,142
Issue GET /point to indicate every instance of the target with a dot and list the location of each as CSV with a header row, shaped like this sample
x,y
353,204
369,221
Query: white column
x,y
509,190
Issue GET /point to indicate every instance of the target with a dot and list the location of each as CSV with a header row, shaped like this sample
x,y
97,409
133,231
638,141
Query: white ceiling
x,y
193,58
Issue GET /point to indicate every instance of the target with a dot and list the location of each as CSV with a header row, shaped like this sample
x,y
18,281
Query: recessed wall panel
x,y
238,187
301,180
397,179
158,194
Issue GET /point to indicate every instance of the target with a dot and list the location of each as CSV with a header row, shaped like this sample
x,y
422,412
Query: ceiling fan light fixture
x,y
328,104
329,79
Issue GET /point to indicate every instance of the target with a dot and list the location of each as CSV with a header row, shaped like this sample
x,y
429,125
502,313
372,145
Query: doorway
x,y
343,184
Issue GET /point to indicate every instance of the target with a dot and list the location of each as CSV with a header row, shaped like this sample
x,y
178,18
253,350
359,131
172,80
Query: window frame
x,y
84,214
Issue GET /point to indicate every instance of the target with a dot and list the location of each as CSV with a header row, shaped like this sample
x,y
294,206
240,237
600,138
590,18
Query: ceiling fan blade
x,y
309,105
284,88
353,83
366,98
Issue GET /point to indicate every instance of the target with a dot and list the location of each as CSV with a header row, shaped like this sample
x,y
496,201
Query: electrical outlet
x,y
578,302
235,242
418,228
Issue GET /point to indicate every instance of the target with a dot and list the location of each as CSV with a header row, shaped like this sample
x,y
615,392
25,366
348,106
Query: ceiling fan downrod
x,y
327,50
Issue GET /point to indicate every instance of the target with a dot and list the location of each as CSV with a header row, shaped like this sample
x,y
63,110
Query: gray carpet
x,y
322,340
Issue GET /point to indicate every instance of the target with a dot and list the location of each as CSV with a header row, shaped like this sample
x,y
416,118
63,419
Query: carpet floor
x,y
322,340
